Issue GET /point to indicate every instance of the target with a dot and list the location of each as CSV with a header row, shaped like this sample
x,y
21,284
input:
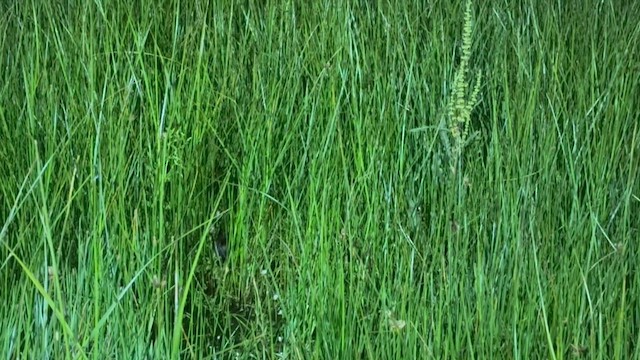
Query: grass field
x,y
308,180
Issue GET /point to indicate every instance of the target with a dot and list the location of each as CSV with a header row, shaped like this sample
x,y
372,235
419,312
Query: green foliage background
x,y
311,136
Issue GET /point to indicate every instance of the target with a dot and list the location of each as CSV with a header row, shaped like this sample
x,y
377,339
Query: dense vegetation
x,y
334,180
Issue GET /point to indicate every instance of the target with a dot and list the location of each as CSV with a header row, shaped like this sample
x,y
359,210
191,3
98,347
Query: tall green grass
x,y
317,138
